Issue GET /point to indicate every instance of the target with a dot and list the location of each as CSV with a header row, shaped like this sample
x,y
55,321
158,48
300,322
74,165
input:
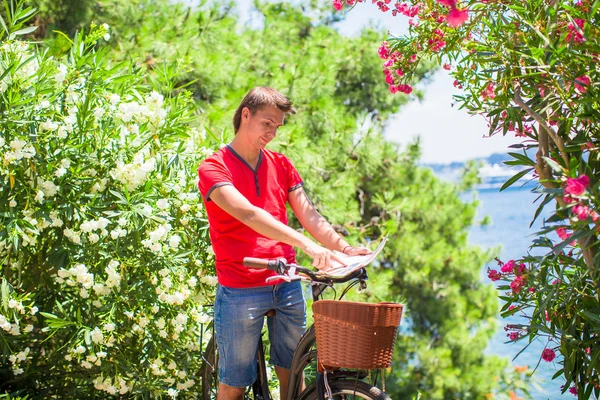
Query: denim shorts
x,y
239,317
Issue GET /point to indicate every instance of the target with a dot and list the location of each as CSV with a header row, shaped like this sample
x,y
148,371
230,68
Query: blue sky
x,y
447,134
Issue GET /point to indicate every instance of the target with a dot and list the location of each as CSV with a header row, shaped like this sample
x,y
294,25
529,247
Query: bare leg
x,y
230,393
284,377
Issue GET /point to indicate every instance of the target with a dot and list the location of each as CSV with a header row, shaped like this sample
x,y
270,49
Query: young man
x,y
245,188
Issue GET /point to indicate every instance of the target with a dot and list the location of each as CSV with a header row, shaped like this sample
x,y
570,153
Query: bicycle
x,y
339,384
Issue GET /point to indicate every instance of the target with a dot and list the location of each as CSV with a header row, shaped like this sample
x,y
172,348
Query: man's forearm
x,y
323,232
264,223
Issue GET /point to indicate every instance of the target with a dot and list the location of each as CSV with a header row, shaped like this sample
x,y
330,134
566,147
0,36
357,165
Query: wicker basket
x,y
356,335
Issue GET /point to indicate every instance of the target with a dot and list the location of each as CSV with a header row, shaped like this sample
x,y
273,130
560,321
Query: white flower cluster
x,y
46,189
77,275
12,329
177,297
61,74
17,359
19,149
90,227
134,174
112,386
18,53
209,280
113,280
158,369
156,238
72,235
149,111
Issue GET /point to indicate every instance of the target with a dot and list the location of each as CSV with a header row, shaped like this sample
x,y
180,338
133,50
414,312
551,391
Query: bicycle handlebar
x,y
280,266
261,263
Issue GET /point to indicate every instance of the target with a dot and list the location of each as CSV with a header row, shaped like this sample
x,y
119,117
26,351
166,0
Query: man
x,y
245,189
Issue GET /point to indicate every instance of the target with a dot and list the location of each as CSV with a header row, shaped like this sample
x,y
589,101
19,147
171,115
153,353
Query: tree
x,y
530,68
355,178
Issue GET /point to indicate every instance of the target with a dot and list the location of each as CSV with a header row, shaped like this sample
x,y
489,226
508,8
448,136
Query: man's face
x,y
262,126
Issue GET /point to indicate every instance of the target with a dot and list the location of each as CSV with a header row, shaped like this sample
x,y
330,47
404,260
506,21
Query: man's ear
x,y
245,113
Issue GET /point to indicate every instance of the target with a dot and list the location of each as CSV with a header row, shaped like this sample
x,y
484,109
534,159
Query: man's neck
x,y
245,150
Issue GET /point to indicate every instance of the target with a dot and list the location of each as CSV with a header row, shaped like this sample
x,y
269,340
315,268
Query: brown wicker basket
x,y
356,335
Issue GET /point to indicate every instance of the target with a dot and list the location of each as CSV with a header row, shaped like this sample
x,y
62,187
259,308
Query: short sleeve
x,y
212,175
294,179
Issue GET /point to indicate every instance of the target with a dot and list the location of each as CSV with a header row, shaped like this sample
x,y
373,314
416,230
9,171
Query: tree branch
x,y
543,124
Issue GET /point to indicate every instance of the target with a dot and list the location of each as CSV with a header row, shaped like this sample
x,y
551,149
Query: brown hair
x,y
259,97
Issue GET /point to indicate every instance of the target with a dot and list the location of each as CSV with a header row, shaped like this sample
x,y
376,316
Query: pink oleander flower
x,y
389,79
562,233
548,355
457,84
542,90
546,316
413,58
494,275
489,92
576,31
576,186
513,335
581,83
406,89
522,269
457,17
517,284
448,3
384,51
582,212
447,66
337,4
511,307
399,72
508,266
573,390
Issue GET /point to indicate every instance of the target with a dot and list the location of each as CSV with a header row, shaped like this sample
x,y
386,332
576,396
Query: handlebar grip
x,y
260,263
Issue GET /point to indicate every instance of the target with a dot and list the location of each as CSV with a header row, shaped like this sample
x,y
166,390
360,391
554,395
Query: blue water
x,y
511,212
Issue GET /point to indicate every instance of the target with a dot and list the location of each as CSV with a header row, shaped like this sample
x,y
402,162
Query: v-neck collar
x,y
260,157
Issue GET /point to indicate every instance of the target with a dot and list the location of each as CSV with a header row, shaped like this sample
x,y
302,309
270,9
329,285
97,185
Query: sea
x,y
511,212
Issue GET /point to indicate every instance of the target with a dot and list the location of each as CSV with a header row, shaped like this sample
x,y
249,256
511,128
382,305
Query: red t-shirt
x,y
266,187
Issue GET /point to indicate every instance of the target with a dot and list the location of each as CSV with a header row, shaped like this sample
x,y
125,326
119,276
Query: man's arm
x,y
318,226
235,204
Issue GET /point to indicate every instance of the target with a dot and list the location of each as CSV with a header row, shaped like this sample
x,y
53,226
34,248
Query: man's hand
x,y
356,251
322,258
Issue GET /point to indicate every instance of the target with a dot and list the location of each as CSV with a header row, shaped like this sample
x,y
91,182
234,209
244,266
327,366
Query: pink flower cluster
x,y
406,9
577,186
436,41
511,267
390,69
581,83
548,355
456,17
576,31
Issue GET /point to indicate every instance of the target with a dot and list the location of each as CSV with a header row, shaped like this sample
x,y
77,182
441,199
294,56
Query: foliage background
x,y
203,63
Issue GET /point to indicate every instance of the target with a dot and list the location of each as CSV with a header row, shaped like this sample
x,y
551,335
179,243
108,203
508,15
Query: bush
x,y
104,250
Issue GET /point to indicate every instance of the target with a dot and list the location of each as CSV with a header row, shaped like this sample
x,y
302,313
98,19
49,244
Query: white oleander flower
x,y
163,204
49,125
61,74
97,336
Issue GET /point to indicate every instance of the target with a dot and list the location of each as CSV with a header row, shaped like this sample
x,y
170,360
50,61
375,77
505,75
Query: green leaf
x,y
554,165
25,31
515,178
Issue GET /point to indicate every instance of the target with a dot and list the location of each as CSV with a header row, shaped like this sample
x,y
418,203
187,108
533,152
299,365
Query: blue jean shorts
x,y
239,317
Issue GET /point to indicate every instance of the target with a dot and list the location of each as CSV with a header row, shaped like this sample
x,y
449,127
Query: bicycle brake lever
x,y
291,276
